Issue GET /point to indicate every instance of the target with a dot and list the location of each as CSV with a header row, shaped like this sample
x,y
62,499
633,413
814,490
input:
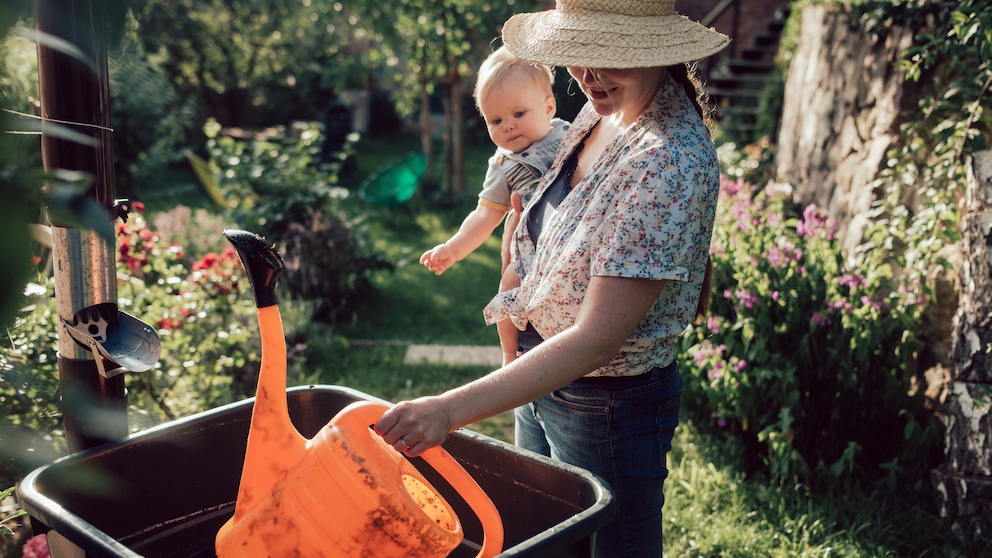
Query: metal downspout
x,y
75,93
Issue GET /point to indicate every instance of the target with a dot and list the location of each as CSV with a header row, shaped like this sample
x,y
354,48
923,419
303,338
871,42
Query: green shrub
x,y
31,430
326,265
274,184
151,123
804,356
206,322
198,232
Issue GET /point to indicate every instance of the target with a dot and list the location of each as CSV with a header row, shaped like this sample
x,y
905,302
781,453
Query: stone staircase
x,y
735,84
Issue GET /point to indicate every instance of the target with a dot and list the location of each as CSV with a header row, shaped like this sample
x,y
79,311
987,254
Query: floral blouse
x,y
645,209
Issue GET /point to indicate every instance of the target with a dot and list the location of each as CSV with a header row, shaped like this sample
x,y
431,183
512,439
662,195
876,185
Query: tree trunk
x,y
425,120
844,101
457,132
963,485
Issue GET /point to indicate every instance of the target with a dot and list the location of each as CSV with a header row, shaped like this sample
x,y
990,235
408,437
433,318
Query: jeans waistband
x,y
629,381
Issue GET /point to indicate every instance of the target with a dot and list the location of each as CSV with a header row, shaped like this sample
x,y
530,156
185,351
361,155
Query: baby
x,y
516,100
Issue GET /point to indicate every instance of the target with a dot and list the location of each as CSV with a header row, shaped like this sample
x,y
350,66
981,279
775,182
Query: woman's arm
x,y
611,310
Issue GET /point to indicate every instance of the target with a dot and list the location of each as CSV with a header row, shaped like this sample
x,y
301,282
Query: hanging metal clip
x,y
120,209
117,337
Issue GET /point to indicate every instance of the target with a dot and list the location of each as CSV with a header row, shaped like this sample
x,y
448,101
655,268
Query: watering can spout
x,y
262,263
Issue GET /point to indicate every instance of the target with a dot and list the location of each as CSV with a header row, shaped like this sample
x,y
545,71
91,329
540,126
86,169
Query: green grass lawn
x,y
411,304
712,509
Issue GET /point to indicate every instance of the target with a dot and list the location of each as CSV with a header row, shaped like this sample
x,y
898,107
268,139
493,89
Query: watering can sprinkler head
x,y
261,261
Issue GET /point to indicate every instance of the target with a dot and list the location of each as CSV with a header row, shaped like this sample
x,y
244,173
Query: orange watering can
x,y
344,493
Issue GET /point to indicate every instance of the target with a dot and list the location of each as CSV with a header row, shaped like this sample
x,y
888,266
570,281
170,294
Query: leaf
x,y
59,131
4,530
69,205
56,43
207,178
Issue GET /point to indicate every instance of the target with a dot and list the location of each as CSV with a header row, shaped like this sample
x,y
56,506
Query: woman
x,y
612,252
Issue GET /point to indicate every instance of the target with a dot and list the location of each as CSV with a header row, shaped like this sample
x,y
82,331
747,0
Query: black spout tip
x,y
261,261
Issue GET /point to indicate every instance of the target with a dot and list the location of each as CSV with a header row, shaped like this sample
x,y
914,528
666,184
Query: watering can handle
x,y
477,499
368,412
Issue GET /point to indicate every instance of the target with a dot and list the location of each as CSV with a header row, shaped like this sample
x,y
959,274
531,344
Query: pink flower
x,y
816,223
775,257
36,547
747,299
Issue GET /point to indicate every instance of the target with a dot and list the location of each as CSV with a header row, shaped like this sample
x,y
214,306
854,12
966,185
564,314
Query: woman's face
x,y
626,93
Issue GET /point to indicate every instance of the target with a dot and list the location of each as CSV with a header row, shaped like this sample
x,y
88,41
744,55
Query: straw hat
x,y
610,34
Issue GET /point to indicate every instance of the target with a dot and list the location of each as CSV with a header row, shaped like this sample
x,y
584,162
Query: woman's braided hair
x,y
688,78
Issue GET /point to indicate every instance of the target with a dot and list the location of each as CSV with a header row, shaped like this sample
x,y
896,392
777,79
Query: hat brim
x,y
609,41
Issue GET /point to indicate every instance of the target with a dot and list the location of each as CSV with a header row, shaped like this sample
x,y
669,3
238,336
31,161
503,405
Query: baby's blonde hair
x,y
502,65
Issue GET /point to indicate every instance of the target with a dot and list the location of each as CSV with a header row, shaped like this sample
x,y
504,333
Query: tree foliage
x,y
951,59
242,56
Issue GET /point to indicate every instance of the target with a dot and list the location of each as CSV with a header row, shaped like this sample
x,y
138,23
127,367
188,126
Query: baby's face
x,y
517,113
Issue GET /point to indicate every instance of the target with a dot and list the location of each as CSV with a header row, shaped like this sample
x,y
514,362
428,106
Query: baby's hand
x,y
438,259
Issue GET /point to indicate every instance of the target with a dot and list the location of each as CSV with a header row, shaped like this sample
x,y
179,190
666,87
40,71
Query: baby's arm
x,y
475,229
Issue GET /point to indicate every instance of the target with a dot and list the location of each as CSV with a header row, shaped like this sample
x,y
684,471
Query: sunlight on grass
x,y
712,509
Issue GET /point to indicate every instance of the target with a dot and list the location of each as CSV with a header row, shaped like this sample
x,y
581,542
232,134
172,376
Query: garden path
x,y
454,354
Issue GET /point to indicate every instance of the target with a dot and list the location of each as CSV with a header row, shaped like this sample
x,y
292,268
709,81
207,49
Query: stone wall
x,y
843,103
840,115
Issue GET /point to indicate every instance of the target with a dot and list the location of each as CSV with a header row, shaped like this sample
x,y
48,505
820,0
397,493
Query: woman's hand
x,y
413,427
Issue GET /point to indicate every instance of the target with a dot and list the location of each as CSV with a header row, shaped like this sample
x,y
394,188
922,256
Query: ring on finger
x,y
406,446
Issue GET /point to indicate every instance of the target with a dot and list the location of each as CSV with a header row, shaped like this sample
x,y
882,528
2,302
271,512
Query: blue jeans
x,y
621,430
